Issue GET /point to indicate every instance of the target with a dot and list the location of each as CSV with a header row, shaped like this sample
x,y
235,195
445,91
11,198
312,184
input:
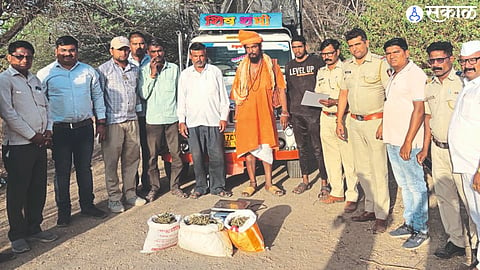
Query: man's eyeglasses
x,y
21,56
328,53
432,61
471,61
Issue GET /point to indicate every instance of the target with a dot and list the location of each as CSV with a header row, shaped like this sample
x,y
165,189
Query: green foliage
x,y
383,20
94,23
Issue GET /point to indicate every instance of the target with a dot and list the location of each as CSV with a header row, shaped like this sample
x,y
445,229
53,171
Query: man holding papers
x,y
300,74
338,153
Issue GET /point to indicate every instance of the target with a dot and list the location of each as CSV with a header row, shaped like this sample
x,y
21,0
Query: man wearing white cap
x,y
118,78
464,129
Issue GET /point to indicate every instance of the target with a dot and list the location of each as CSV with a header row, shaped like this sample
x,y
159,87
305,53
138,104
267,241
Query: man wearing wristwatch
x,y
75,97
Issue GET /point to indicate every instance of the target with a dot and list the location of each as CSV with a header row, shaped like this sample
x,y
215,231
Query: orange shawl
x,y
256,123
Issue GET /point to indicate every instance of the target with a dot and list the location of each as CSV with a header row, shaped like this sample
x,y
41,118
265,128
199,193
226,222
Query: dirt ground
x,y
299,231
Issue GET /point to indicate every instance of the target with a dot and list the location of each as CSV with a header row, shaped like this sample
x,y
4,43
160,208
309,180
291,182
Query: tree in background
x,y
383,20
94,23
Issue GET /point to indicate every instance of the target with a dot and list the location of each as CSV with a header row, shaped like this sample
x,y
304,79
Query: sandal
x,y
179,193
302,187
274,190
224,193
325,190
248,191
195,195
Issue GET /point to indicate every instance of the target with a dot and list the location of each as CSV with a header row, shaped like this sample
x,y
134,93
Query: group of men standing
x,y
130,103
376,106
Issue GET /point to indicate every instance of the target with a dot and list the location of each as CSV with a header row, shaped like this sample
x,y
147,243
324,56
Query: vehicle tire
x,y
293,169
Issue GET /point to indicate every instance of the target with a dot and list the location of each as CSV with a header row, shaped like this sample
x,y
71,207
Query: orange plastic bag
x,y
248,236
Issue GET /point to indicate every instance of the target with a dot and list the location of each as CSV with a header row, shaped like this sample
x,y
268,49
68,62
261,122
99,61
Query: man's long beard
x,y
255,59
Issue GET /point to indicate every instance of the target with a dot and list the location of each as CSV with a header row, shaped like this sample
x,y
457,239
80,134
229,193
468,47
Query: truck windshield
x,y
226,56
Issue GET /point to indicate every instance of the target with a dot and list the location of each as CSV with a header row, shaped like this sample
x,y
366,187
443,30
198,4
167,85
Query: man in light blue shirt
x,y
75,97
158,87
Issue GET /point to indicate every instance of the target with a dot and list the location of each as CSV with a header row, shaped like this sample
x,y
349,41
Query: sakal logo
x,y
414,14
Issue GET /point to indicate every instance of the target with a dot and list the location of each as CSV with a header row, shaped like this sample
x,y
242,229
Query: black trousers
x,y
77,145
26,166
145,154
307,136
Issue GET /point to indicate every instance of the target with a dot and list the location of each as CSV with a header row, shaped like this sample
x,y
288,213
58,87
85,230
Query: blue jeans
x,y
209,141
77,144
410,178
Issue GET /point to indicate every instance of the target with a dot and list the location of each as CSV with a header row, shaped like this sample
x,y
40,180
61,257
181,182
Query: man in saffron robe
x,y
257,77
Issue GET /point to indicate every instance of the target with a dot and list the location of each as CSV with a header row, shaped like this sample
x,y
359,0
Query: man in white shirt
x,y
202,111
465,128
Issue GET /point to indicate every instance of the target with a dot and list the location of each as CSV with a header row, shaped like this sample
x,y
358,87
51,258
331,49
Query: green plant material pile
x,y
238,221
165,218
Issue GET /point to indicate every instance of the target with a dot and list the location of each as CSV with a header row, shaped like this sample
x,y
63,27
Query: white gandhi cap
x,y
470,47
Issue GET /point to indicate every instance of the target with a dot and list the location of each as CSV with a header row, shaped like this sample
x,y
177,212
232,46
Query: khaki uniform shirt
x,y
328,82
440,102
365,83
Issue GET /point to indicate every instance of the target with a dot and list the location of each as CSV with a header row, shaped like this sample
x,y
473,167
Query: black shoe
x,y
450,250
63,221
94,212
7,256
473,265
151,196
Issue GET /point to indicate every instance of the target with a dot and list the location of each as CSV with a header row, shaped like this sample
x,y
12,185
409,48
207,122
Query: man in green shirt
x,y
158,87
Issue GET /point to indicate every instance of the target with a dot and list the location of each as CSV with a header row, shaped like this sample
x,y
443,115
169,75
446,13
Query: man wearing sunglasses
x,y
464,130
338,153
441,93
23,108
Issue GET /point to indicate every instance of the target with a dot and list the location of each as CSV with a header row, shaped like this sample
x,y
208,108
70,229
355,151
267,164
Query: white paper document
x,y
313,99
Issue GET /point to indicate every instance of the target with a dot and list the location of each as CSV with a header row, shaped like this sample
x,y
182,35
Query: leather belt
x,y
332,113
367,117
80,124
440,144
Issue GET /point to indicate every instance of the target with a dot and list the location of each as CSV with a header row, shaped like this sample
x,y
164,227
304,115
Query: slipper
x,y
195,195
224,193
274,190
302,187
248,191
324,191
179,193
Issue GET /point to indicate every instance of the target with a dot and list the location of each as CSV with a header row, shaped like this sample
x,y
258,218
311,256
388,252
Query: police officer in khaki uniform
x,y
441,94
337,152
365,77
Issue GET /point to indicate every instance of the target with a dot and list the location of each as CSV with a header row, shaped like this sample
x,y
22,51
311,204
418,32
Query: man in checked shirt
x,y
118,78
